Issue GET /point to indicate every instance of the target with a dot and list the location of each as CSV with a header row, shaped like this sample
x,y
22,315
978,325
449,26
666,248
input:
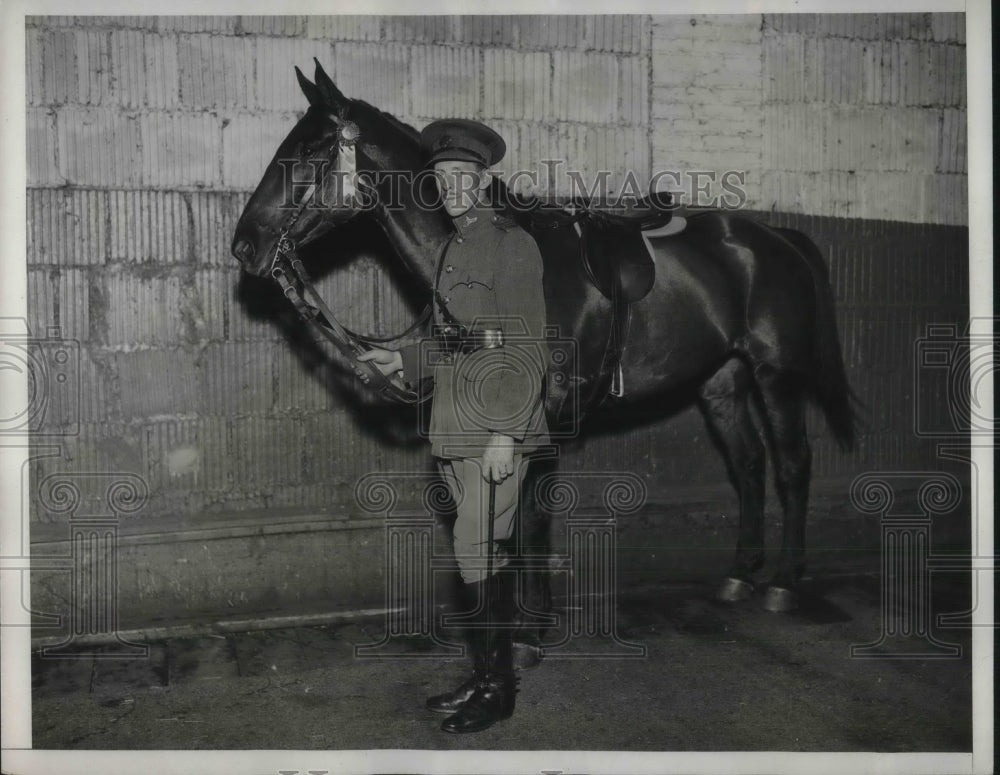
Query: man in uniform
x,y
488,360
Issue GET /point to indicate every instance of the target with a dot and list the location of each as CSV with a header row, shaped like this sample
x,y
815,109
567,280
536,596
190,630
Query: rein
x,y
317,315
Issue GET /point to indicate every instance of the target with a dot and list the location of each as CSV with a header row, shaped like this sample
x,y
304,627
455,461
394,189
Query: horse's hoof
x,y
779,599
733,590
526,656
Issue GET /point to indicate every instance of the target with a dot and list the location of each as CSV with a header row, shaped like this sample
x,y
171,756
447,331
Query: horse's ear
x,y
310,89
334,97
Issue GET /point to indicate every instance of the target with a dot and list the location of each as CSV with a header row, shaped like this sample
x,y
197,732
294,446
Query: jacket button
x,y
449,268
460,239
447,299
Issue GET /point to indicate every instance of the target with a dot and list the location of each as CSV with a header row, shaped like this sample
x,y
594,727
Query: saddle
x,y
613,246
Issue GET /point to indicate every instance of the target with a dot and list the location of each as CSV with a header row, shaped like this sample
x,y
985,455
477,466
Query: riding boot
x,y
492,699
473,600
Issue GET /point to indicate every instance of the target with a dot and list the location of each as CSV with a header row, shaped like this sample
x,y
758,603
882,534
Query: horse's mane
x,y
411,134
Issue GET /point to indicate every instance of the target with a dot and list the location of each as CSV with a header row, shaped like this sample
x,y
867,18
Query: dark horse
x,y
740,317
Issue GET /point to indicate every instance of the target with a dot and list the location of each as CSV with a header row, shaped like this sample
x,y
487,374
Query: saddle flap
x,y
617,260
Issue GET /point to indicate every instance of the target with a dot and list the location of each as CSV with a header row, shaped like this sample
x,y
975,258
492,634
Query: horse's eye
x,y
307,150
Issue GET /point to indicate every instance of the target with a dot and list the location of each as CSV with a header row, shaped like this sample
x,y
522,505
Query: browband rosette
x,y
349,133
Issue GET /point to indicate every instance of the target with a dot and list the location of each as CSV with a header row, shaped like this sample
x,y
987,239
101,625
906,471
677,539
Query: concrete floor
x,y
714,678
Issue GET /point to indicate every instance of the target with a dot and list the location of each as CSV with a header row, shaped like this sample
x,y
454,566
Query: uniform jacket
x,y
490,278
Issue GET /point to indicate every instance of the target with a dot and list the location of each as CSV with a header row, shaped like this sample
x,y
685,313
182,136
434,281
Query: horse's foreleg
x,y
784,403
724,401
534,595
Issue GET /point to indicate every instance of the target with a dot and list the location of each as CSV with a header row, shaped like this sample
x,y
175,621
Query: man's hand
x,y
498,458
387,361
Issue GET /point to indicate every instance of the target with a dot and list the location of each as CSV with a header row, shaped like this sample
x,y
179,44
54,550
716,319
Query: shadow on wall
x,y
262,299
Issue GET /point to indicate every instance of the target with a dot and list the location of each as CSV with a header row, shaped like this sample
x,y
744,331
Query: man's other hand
x,y
498,458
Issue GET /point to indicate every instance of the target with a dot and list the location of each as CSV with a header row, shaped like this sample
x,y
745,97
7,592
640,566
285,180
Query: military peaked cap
x,y
461,139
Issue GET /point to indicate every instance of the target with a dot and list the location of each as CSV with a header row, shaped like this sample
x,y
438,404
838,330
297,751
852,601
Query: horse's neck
x,y
417,234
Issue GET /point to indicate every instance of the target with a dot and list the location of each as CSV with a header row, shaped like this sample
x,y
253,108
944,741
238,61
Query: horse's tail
x,y
830,386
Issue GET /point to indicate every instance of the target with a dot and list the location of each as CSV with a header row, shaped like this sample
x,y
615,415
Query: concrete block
x,y
42,166
445,81
187,454
239,378
891,195
698,95
142,310
734,28
33,78
216,72
260,452
588,151
619,33
129,66
40,302
226,25
793,137
948,27
345,27
534,144
118,22
98,147
162,74
376,73
953,76
271,26
214,217
634,90
487,30
517,85
70,287
66,227
794,23
248,144
180,149
916,26
298,386
148,227
952,151
50,21
99,389
93,63
208,301
548,32
672,103
277,87
159,382
335,453
584,87
417,29
742,73
59,66
945,200
838,65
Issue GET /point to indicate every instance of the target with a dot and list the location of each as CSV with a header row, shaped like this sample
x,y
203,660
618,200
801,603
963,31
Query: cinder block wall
x,y
147,134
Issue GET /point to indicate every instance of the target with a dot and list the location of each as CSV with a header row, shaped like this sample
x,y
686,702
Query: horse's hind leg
x,y
785,407
725,402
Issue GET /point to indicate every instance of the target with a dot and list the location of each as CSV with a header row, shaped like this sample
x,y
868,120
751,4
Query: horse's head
x,y
325,172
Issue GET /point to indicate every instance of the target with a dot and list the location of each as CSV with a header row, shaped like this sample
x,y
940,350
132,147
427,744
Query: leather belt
x,y
458,339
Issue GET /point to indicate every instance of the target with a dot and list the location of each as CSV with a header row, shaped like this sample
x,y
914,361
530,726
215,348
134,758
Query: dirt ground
x,y
709,677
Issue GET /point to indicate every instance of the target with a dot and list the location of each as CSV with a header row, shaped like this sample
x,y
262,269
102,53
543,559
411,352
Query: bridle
x,y
317,314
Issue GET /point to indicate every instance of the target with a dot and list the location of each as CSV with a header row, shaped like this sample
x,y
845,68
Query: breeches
x,y
471,494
